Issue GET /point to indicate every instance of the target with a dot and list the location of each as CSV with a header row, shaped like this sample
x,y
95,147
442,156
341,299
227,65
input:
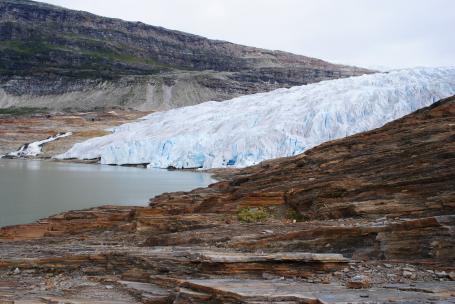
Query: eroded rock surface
x,y
365,219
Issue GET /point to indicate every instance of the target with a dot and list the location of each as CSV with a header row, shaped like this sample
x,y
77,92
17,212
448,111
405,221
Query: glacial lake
x,y
34,189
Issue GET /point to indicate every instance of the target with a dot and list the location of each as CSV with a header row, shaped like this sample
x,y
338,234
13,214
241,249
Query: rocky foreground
x,y
365,219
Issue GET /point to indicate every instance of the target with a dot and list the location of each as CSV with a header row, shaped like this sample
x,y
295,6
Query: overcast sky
x,y
369,33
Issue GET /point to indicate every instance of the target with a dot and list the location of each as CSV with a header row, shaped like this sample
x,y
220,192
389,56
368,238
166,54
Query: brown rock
x,y
358,282
452,275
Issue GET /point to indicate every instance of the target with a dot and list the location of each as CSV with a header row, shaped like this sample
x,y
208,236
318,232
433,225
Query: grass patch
x,y
31,47
77,57
96,51
112,56
17,111
252,215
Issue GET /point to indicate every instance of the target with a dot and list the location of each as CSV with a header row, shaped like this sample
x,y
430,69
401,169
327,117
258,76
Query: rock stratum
x,y
59,58
364,219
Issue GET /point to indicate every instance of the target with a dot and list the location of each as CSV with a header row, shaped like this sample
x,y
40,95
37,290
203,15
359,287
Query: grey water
x,y
34,189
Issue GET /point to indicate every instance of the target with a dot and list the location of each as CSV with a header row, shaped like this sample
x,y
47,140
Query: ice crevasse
x,y
249,129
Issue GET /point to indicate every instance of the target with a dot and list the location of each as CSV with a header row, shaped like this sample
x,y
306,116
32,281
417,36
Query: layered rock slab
x,y
260,291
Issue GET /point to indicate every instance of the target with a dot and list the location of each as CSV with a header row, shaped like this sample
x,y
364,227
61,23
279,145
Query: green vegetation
x,y
29,47
93,48
293,214
106,54
82,57
252,214
97,48
17,111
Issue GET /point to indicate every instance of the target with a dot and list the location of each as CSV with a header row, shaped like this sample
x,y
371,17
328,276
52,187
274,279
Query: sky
x,y
368,33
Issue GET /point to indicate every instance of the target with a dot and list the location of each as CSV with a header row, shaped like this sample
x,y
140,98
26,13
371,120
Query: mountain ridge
x,y
51,51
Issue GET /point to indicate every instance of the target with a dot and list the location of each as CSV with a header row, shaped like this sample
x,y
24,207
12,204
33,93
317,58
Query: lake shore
x,y
33,189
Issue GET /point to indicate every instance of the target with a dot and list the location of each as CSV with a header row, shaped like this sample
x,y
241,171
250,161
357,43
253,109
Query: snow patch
x,y
34,148
247,130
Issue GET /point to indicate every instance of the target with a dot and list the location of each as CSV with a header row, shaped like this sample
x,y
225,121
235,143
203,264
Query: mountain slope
x,y
285,122
65,58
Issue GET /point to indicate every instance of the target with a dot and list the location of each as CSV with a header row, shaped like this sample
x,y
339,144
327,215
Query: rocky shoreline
x,y
107,253
364,219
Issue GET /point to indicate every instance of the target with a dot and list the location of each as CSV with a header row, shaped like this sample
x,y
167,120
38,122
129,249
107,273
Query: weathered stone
x,y
359,281
302,257
407,274
266,291
71,222
441,274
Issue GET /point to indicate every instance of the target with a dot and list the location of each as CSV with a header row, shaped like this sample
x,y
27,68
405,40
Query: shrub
x,y
252,214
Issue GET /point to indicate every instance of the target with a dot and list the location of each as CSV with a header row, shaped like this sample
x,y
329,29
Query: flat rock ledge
x,y
234,257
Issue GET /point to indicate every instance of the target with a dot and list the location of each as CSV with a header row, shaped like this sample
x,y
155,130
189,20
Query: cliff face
x,y
60,57
364,219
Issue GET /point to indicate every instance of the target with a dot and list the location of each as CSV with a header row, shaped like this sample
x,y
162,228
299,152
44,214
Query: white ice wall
x,y
246,130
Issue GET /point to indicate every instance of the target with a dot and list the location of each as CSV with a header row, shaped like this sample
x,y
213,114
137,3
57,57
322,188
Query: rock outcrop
x,y
55,57
364,219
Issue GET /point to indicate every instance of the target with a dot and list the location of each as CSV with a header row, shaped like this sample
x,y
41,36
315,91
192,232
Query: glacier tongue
x,y
247,130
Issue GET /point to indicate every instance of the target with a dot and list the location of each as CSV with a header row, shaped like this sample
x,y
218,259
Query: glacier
x,y
249,129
